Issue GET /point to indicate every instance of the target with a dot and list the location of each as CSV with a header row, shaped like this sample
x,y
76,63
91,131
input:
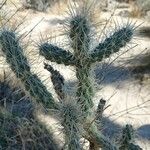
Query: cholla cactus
x,y
127,139
75,117
82,58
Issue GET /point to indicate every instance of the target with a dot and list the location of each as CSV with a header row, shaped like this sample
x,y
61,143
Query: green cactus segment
x,y
56,54
19,65
37,90
79,35
70,122
85,90
112,44
97,138
13,51
127,139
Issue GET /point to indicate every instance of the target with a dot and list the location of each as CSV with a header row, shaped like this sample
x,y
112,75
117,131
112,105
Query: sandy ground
x,y
129,98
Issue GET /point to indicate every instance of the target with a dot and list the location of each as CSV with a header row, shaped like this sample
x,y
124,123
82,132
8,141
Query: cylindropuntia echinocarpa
x,y
76,117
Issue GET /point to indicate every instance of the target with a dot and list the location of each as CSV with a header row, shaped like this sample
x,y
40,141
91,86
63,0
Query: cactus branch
x,y
79,35
56,54
85,90
70,121
19,65
112,44
99,140
57,80
127,139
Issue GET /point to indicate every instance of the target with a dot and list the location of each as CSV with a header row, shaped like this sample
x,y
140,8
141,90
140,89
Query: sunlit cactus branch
x,y
119,39
19,65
